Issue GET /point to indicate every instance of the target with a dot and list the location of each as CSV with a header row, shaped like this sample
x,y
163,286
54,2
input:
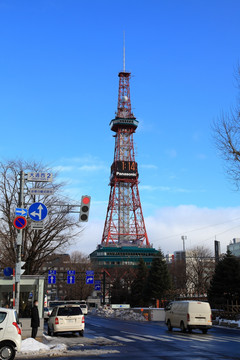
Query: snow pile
x,y
124,314
231,323
31,346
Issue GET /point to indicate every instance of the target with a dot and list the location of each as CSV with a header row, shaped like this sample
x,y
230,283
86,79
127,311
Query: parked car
x,y
84,309
46,313
188,315
10,334
66,318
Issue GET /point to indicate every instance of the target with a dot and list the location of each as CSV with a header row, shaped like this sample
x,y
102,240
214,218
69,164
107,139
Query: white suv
x,y
66,318
10,334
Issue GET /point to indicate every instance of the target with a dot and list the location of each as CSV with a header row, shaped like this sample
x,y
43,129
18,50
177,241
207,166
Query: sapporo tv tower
x,y
124,237
124,223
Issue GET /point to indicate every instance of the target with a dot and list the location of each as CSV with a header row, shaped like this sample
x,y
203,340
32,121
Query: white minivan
x,y
188,315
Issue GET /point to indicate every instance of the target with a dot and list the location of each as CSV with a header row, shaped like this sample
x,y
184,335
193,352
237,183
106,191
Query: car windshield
x,y
52,304
2,316
83,306
69,311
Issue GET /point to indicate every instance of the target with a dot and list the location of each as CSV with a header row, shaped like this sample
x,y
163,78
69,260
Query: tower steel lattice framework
x,y
124,223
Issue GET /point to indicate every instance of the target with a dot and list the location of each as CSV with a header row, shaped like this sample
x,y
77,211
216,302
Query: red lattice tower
x,y
124,223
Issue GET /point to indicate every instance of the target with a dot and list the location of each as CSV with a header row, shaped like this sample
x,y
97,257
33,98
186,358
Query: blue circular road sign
x,y
37,211
8,271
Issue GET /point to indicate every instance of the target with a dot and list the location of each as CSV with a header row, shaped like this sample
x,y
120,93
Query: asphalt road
x,y
150,340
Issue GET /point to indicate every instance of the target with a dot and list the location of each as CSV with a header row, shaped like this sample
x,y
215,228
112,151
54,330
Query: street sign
x,y
37,211
20,222
90,272
71,272
37,225
52,279
89,279
8,271
34,191
52,272
71,279
21,212
40,176
97,287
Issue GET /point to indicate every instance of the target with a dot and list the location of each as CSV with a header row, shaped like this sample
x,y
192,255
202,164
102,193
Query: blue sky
x,y
59,67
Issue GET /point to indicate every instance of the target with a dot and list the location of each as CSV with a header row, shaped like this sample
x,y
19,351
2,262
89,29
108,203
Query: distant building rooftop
x,y
234,247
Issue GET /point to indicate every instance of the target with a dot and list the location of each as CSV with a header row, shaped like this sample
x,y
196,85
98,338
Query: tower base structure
x,y
106,257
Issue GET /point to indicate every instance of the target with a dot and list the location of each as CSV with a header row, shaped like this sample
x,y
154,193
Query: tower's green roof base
x,y
109,257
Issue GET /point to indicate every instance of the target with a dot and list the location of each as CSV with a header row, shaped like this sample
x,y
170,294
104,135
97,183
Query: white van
x,y
188,315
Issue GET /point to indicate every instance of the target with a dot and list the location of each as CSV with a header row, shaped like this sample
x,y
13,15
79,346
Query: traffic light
x,y
19,269
84,208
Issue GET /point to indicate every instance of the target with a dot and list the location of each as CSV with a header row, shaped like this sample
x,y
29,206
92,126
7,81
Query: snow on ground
x,y
229,322
33,347
123,314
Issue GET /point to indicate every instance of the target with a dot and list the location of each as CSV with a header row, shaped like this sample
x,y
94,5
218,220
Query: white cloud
x,y
62,168
162,188
93,167
200,225
166,226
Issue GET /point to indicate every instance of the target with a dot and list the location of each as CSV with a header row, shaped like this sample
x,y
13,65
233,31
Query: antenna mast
x,y
123,51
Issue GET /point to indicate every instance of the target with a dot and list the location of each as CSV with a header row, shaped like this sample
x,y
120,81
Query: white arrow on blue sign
x,y
52,279
21,212
97,287
90,272
52,272
37,211
71,279
71,272
89,279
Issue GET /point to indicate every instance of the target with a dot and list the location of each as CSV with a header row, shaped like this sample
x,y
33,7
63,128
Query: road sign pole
x,y
104,287
19,244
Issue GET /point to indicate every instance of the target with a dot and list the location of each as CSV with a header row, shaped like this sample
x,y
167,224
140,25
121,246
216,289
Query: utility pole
x,y
19,245
183,239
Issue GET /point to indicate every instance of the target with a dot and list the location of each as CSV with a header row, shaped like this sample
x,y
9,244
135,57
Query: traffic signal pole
x,y
19,245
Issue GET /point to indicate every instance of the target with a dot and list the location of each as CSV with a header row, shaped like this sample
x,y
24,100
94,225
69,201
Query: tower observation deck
x,y
124,224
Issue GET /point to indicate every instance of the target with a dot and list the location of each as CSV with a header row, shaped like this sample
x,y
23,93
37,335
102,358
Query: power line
x,y
202,228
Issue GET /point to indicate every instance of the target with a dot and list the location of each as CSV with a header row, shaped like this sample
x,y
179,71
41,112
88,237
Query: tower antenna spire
x,y
124,51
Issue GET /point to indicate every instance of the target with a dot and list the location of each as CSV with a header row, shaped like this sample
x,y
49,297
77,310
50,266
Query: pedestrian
x,y
35,321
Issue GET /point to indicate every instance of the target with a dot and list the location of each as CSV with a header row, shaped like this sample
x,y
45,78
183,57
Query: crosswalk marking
x,y
157,338
139,338
132,337
122,338
177,337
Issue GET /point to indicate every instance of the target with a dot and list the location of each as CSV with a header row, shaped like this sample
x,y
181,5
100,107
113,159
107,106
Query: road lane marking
x,y
157,338
122,339
139,338
177,337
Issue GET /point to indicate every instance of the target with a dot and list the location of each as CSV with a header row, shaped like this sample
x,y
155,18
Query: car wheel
x,y
204,331
182,327
7,352
49,331
169,325
81,333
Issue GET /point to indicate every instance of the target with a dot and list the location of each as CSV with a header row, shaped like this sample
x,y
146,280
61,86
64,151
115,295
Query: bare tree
x,y
200,267
226,132
80,290
60,228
